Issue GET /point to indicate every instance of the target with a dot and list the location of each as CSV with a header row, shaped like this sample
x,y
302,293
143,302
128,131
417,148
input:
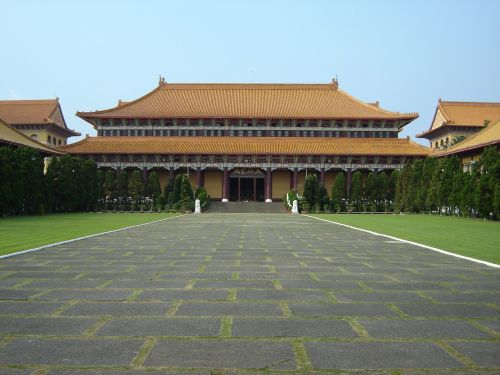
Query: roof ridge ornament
x,y
335,83
162,82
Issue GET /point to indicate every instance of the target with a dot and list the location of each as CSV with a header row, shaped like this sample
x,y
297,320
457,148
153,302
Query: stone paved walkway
x,y
246,294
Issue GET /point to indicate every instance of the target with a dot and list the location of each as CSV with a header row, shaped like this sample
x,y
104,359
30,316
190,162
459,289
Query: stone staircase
x,y
247,207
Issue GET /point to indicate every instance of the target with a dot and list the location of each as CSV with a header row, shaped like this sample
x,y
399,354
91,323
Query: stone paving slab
x,y
485,354
116,309
238,294
371,355
229,308
414,329
223,354
161,327
292,328
90,352
45,326
342,309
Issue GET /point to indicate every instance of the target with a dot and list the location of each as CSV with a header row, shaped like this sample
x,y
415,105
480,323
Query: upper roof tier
x,y
453,114
273,101
39,112
246,146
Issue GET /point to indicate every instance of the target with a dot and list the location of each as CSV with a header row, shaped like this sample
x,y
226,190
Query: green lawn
x,y
473,238
27,232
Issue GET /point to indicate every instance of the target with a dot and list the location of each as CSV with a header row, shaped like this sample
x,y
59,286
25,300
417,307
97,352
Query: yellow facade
x,y
329,178
213,184
280,184
163,178
45,137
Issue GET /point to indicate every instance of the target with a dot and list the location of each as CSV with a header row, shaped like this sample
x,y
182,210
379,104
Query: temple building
x,y
469,151
41,120
455,121
248,141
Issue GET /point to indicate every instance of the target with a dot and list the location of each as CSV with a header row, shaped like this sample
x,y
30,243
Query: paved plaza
x,y
246,294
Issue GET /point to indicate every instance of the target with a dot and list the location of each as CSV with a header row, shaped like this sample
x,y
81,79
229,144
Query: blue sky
x,y
406,54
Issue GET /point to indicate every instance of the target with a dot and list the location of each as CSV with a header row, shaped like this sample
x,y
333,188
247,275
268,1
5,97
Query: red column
x,y
239,189
295,178
269,186
349,180
171,173
225,187
199,177
322,177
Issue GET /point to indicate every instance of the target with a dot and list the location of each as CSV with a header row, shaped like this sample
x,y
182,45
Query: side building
x,y
41,120
469,151
455,121
248,141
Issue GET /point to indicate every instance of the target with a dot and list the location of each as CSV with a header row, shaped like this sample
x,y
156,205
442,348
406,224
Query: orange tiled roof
x,y
288,101
12,136
490,135
246,146
45,111
463,114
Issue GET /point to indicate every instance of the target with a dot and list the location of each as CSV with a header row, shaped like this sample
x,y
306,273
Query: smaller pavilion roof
x,y
25,112
488,136
11,136
471,114
246,146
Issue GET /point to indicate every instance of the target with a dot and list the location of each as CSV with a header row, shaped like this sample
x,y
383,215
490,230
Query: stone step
x,y
247,207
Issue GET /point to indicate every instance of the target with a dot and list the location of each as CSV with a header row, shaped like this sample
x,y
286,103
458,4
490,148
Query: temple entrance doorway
x,y
246,186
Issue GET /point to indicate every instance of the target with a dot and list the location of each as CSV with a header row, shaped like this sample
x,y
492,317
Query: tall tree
x,y
434,201
403,192
154,189
110,184
122,184
311,189
382,181
338,193
390,197
370,191
136,188
89,185
356,195
7,181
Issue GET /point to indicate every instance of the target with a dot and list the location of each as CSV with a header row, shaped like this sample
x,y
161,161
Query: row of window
x,y
442,143
249,123
252,133
52,141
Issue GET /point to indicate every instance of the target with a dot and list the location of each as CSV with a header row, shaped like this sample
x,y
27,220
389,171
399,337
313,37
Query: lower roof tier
x,y
246,146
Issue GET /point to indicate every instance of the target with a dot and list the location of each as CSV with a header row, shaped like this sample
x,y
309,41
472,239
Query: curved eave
x,y
444,127
247,146
464,150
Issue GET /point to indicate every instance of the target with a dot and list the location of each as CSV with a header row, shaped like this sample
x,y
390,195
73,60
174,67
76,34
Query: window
x,y
49,140
59,143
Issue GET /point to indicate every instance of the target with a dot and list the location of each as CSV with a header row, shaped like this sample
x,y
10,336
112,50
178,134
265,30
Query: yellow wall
x,y
280,184
213,183
301,182
329,178
192,179
43,136
162,177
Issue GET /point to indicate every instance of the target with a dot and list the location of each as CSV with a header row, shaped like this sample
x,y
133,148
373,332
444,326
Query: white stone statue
x,y
295,207
197,207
